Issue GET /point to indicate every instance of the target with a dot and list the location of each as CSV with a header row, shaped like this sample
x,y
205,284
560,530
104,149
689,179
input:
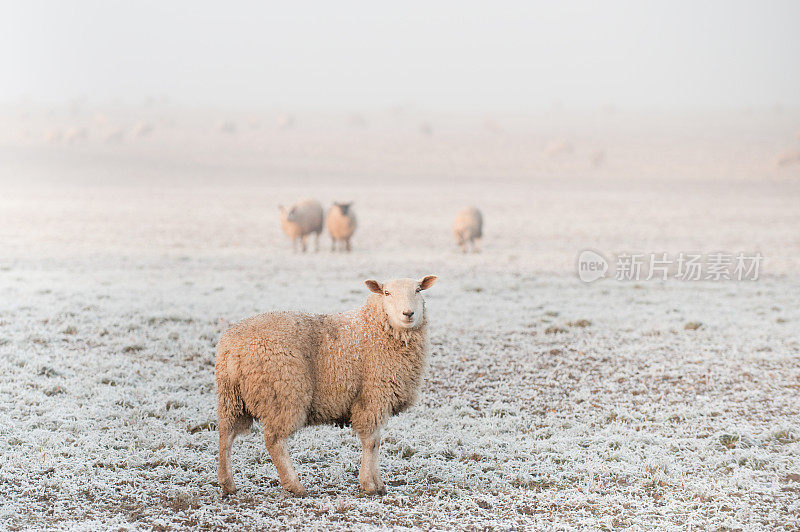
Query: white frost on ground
x,y
547,402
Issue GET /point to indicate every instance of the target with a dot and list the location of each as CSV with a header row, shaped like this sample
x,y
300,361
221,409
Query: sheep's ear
x,y
374,286
427,282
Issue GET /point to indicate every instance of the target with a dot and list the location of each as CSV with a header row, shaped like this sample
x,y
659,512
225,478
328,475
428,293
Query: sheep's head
x,y
343,207
288,214
402,300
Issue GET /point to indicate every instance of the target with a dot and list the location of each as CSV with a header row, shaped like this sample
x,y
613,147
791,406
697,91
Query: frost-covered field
x,y
548,402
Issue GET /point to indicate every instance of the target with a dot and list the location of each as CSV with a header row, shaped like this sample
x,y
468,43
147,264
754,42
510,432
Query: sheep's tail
x,y
229,400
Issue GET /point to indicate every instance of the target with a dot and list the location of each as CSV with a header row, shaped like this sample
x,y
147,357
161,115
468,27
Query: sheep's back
x,y
309,216
469,223
268,356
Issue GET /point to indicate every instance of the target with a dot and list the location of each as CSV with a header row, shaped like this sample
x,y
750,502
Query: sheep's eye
x,y
387,294
419,290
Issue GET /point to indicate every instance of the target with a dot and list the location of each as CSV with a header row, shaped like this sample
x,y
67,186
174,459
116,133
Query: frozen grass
x,y
548,403
107,397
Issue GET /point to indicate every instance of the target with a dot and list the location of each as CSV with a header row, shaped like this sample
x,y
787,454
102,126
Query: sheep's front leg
x,y
283,463
370,475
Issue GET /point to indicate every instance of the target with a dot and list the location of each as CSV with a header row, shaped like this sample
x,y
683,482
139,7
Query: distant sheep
x,y
788,157
116,135
52,135
468,228
558,148
142,129
300,220
226,126
290,370
76,134
285,121
598,158
341,222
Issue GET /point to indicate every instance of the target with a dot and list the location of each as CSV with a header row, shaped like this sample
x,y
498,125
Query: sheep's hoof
x,y
296,489
228,488
374,489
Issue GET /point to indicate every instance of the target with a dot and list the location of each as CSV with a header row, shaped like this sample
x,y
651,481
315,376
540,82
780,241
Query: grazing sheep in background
x,y
788,157
598,158
341,224
300,220
290,370
115,135
76,134
285,121
52,135
468,228
226,126
557,149
142,129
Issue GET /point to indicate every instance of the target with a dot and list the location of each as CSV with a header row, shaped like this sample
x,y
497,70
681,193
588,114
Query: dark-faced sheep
x,y
341,222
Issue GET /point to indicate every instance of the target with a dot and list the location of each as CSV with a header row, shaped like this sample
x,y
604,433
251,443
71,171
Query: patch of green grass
x,y
786,436
729,441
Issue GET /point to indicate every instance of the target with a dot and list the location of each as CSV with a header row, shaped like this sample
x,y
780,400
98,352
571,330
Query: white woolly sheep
x,y
468,228
598,158
142,129
285,121
341,222
227,126
52,135
558,148
76,134
290,370
115,135
788,157
300,220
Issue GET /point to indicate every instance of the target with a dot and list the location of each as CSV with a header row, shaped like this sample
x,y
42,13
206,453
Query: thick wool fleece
x,y
291,369
341,226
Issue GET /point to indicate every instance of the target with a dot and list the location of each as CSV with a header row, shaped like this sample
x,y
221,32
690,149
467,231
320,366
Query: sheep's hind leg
x,y
476,245
370,475
225,474
229,428
283,463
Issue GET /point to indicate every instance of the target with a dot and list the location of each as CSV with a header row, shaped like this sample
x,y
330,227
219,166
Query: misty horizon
x,y
444,56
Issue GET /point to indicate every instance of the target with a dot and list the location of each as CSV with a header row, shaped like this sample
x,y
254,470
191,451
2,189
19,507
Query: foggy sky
x,y
479,55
